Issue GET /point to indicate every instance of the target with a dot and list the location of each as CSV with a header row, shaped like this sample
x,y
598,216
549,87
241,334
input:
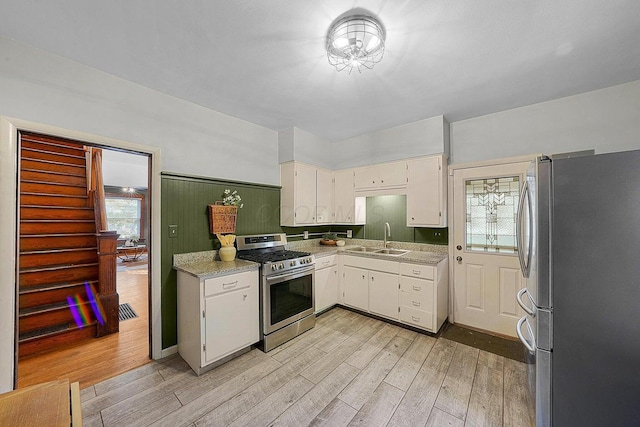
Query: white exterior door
x,y
486,271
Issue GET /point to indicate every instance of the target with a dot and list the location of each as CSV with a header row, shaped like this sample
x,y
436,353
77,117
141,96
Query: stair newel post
x,y
108,296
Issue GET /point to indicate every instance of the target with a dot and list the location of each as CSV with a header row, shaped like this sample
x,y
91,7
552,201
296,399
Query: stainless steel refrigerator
x,y
579,249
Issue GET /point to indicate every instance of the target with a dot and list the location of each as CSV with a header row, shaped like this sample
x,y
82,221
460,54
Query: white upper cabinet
x,y
347,208
381,176
427,192
324,196
306,197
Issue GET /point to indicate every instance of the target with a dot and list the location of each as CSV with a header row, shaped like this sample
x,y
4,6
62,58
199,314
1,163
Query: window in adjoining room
x,y
124,215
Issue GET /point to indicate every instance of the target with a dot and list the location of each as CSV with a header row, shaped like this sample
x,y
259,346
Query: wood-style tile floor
x,y
349,370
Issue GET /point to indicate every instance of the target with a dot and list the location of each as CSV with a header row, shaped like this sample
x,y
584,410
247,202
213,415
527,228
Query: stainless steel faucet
x,y
387,233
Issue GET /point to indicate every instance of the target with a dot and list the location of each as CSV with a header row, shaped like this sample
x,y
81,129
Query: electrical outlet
x,y
349,234
173,231
306,235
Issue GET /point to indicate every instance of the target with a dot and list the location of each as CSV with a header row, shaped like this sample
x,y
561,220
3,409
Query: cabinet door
x,y
384,294
367,177
424,192
324,196
392,174
326,288
344,201
305,204
356,287
228,324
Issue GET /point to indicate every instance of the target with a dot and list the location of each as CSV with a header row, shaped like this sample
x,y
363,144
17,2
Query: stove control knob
x,y
302,261
273,266
281,266
292,263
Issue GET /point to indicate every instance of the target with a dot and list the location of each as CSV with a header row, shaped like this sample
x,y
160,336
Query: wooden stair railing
x,y
66,260
108,297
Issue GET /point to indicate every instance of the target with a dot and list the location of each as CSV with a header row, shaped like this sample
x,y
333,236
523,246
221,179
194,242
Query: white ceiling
x,y
265,62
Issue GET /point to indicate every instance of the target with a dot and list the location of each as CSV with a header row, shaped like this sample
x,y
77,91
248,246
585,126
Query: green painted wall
x,y
184,203
393,209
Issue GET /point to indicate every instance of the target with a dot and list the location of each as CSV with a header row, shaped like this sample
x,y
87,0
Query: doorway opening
x,y
126,182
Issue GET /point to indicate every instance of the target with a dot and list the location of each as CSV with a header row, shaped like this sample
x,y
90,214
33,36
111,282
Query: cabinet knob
x,y
371,278
459,259
459,247
412,218
363,276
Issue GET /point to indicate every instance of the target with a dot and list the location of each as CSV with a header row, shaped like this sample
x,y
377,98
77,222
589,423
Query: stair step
x,y
53,339
33,277
34,319
46,165
56,212
52,188
59,157
61,226
56,257
61,177
36,242
53,293
53,200
52,143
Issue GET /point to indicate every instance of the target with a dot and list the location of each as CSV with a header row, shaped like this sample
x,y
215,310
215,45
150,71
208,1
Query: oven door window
x,y
290,297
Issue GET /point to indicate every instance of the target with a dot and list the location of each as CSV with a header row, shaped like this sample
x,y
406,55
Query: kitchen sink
x,y
385,251
363,249
395,252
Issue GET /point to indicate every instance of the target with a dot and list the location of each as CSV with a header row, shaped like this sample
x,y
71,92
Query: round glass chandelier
x,y
354,42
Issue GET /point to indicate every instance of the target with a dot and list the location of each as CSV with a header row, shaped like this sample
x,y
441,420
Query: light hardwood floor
x,y
349,370
100,358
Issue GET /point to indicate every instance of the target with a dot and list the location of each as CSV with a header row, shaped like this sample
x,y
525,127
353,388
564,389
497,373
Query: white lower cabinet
x,y
217,317
326,283
424,295
356,287
383,294
414,294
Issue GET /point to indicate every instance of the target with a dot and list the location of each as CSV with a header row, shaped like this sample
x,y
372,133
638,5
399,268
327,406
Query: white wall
x,y
606,120
300,145
45,88
421,138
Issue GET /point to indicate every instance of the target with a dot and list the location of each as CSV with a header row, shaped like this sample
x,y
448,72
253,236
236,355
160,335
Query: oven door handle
x,y
290,275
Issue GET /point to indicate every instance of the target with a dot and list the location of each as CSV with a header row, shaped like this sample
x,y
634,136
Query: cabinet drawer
x,y
417,270
218,285
419,318
326,261
416,286
417,301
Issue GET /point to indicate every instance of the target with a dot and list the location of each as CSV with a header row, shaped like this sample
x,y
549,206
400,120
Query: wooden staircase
x,y
58,246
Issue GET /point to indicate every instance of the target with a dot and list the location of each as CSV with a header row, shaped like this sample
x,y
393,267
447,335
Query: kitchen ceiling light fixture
x,y
355,41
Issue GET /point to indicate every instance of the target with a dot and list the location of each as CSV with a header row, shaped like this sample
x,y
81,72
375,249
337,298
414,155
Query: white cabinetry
x,y
371,285
383,294
427,192
306,196
348,209
381,176
326,283
424,295
217,317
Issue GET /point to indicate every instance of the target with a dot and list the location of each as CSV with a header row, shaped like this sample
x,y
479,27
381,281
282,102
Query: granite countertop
x,y
204,265
419,253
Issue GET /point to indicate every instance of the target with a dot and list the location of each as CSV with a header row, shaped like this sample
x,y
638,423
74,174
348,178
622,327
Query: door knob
x,y
459,259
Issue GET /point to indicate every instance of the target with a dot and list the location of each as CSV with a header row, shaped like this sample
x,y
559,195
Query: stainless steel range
x,y
287,279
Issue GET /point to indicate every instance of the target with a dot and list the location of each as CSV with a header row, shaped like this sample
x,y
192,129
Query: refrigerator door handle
x,y
524,264
529,311
530,346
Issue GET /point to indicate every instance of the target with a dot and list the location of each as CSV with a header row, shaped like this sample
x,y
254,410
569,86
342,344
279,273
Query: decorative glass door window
x,y
491,214
124,216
